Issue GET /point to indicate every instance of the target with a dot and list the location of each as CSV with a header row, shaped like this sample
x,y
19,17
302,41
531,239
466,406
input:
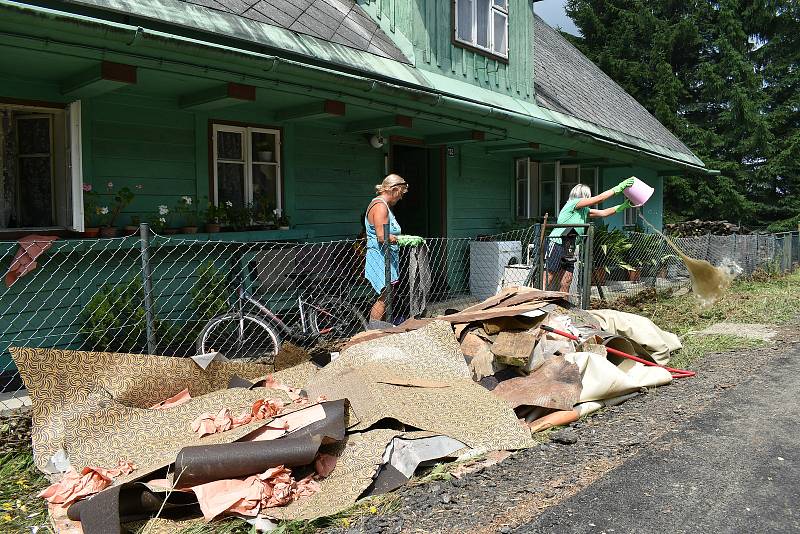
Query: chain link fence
x,y
627,263
186,295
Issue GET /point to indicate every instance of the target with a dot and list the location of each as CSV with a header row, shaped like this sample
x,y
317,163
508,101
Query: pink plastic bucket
x,y
639,192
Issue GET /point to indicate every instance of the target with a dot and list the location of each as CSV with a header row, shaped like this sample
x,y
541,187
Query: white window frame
x,y
473,41
247,153
536,211
631,214
75,164
62,174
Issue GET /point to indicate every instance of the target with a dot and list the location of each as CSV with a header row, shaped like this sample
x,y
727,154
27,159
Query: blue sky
x,y
552,11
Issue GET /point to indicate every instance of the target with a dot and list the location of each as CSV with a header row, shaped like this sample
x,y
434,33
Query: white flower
x,y
229,203
163,210
187,200
276,212
110,185
162,220
104,210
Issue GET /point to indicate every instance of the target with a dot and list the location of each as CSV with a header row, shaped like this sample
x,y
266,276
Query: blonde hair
x,y
389,183
580,191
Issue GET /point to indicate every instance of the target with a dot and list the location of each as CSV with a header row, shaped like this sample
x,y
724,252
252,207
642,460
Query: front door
x,y
420,211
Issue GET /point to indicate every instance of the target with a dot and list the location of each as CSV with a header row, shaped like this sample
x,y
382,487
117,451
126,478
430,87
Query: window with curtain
x,y
247,167
483,24
34,183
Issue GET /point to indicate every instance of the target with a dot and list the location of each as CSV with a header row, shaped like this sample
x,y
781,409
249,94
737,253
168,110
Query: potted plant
x,y
213,216
281,219
609,252
262,213
122,199
187,209
163,219
238,218
265,151
90,212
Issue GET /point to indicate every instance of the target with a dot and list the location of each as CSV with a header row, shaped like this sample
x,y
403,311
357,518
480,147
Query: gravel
x,y
513,492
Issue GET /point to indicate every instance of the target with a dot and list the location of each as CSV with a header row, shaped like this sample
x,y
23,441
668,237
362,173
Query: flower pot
x,y
634,276
264,155
189,230
130,229
283,228
109,231
598,277
91,232
212,228
170,231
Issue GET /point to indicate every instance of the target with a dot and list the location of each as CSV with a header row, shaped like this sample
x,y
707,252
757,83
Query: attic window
x,y
483,24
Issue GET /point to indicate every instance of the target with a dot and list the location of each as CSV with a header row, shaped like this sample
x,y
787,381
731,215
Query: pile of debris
x,y
696,227
128,437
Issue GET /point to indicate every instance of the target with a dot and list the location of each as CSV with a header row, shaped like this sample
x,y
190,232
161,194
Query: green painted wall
x,y
427,25
480,191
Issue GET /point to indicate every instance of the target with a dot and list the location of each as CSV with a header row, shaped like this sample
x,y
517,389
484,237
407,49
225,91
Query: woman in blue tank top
x,y
379,213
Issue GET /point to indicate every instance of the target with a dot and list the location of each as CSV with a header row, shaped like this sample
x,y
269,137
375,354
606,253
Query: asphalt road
x,y
734,467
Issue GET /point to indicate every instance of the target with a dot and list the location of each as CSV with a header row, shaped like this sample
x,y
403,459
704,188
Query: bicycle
x,y
245,336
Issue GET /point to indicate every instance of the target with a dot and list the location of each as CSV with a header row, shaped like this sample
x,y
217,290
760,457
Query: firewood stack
x,y
697,227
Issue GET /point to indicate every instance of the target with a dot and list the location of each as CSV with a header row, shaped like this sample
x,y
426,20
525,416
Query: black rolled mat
x,y
105,512
207,463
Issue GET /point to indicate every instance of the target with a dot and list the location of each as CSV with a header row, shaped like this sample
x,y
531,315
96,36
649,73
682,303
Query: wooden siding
x,y
428,25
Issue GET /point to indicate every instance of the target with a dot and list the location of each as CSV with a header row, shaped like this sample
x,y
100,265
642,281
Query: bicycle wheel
x,y
240,337
335,319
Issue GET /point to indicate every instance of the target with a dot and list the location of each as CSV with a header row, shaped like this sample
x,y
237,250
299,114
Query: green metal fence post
x,y
147,284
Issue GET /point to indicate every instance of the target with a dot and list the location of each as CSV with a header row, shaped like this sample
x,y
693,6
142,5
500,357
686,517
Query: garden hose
x,y
676,373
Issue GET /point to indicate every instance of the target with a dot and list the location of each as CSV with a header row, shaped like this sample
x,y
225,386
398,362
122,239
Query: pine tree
x,y
694,65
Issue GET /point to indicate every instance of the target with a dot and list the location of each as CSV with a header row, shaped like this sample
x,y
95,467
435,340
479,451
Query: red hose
x,y
676,373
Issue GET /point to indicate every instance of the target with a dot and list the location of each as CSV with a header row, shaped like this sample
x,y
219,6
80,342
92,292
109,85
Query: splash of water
x,y
709,283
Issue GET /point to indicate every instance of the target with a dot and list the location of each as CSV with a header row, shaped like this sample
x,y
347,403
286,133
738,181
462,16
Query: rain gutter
x,y
133,36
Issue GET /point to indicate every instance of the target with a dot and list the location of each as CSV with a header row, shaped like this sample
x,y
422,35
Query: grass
x,y
20,481
765,299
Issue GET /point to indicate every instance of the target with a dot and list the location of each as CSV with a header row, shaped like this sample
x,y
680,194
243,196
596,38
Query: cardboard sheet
x,y
556,384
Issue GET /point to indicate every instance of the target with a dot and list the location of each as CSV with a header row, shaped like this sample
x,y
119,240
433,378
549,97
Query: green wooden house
x,y
304,105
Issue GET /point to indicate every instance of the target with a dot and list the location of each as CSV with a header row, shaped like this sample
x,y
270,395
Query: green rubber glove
x,y
622,207
624,184
409,240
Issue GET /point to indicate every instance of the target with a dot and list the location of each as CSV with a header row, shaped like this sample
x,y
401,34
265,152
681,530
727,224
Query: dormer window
x,y
483,24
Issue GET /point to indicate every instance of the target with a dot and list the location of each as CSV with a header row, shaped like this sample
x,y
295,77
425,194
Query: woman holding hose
x,y
577,210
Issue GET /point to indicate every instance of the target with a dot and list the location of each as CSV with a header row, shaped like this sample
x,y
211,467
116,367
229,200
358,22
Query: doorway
x,y
422,210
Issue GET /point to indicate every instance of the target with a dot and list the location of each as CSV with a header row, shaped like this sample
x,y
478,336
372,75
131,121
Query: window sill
x,y
480,51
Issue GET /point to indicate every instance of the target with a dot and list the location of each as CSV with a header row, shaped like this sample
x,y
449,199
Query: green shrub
x,y
114,319
210,293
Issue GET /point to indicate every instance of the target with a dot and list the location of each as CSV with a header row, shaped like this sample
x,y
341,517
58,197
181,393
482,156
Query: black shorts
x,y
554,256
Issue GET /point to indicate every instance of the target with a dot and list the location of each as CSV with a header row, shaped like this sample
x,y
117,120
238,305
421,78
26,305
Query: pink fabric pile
x,y
208,423
274,487
176,400
90,480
